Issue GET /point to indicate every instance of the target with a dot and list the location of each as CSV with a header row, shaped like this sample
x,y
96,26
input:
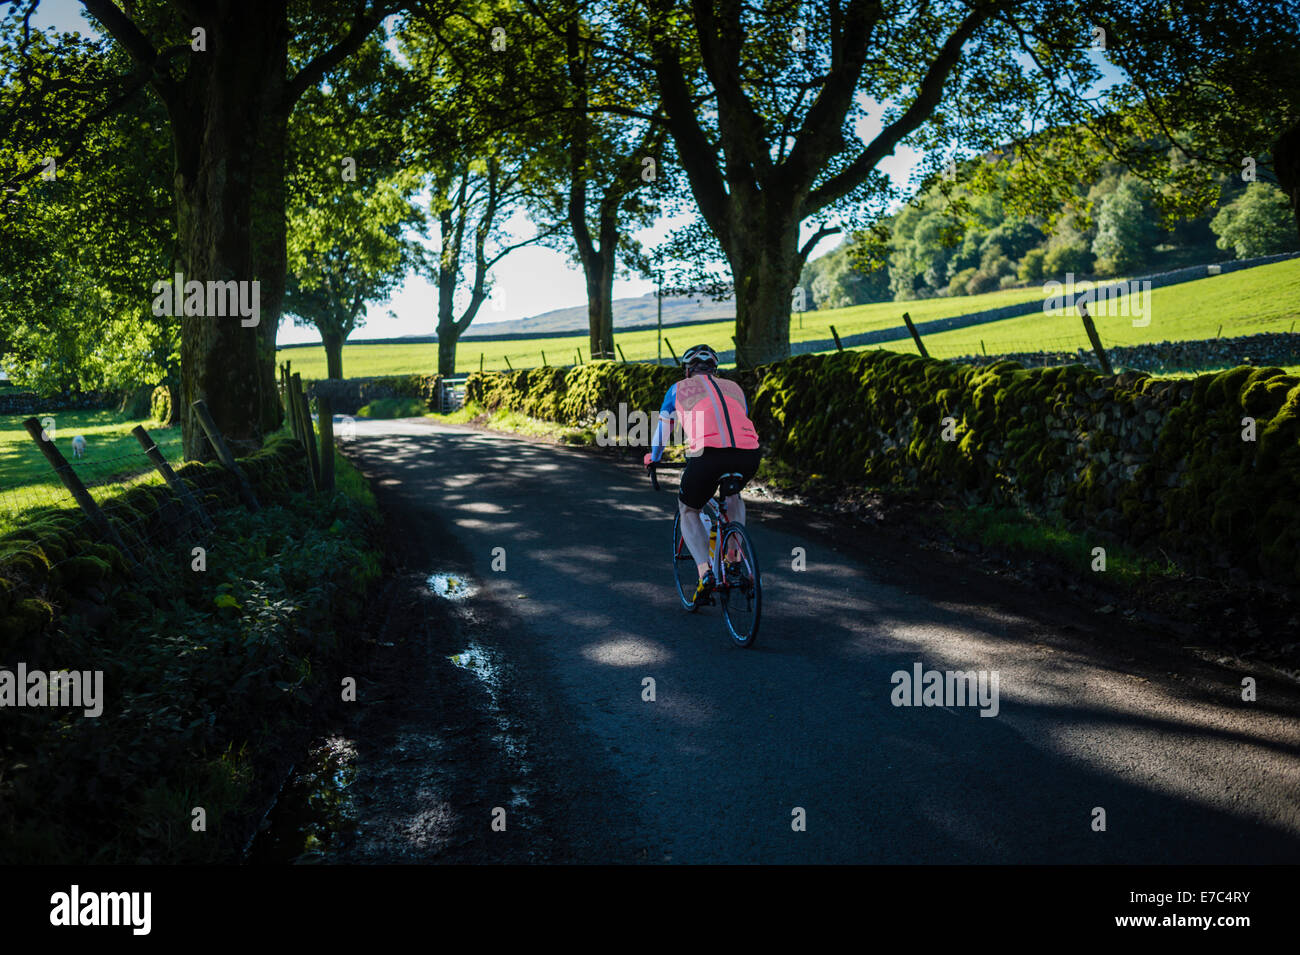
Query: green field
x,y
1263,299
112,452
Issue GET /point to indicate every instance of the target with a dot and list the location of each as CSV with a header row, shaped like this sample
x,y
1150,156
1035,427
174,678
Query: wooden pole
x,y
78,491
480,363
578,354
659,312
543,357
325,410
1091,329
837,338
672,351
305,429
620,352
508,365
311,441
223,453
984,350
916,336
179,487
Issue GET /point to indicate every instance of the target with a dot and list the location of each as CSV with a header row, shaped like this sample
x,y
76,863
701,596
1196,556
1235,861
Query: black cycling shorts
x,y
702,472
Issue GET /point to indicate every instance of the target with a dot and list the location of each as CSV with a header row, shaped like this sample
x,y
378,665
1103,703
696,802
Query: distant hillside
x,y
628,312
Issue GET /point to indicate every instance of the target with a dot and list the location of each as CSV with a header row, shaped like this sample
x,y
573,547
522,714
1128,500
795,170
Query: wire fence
x,y
109,506
977,341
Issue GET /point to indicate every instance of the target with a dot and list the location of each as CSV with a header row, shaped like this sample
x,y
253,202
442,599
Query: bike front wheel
x,y
684,571
741,586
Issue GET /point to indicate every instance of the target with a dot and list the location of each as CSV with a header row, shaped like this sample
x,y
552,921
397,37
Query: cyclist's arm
x,y
663,427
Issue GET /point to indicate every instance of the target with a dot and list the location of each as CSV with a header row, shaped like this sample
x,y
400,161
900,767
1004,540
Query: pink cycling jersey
x,y
712,413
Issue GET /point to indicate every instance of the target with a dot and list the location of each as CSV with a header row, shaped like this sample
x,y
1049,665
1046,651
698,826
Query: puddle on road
x,y
485,666
314,809
451,586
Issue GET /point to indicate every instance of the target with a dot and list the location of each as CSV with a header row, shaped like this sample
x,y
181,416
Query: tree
x,y
836,281
228,76
1125,233
1220,80
760,101
352,218
603,160
1258,222
478,159
348,250
76,239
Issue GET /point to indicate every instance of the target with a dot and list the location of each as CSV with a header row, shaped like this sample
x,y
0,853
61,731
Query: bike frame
x,y
716,508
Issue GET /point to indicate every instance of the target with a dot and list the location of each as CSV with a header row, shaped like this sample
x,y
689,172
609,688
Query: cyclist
x,y
721,440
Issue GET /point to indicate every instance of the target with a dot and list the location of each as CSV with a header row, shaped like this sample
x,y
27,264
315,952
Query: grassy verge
x,y
515,423
393,408
208,673
1018,532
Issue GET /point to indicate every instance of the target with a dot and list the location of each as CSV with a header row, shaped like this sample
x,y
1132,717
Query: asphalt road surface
x,y
525,704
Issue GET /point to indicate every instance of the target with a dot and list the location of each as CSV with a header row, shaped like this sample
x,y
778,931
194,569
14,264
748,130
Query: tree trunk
x,y
765,265
217,142
270,251
447,354
448,333
333,355
599,270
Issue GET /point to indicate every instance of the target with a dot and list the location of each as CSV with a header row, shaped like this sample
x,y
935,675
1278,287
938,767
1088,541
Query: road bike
x,y
732,556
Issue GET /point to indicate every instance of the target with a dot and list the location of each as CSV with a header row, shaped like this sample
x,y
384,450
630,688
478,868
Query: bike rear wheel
x,y
684,571
741,587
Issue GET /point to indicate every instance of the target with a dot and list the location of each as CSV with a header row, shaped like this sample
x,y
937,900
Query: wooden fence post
x,y
916,336
480,363
78,491
179,487
620,352
311,439
326,413
671,351
223,453
578,353
305,429
508,365
1091,329
543,357
290,406
836,335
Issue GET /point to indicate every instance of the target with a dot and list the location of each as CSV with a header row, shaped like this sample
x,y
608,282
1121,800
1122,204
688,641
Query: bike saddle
x,y
730,484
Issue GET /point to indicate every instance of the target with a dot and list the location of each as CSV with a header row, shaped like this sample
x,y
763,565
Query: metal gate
x,y
452,397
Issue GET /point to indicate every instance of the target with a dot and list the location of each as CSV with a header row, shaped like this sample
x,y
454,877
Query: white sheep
x,y
78,447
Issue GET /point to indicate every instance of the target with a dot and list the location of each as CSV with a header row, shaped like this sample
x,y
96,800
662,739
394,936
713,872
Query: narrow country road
x,y
549,723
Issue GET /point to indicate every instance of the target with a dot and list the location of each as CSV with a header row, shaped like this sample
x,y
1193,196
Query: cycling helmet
x,y
699,357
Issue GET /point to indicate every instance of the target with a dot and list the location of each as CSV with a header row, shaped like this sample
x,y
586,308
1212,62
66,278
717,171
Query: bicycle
x,y
739,583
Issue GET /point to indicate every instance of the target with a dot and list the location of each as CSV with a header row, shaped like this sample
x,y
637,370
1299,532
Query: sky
x,y
528,281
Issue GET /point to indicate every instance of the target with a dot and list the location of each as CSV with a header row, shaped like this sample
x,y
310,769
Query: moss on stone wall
x,y
1154,463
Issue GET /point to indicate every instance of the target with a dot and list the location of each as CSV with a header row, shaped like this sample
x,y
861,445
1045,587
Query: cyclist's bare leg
x,y
697,539
735,512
